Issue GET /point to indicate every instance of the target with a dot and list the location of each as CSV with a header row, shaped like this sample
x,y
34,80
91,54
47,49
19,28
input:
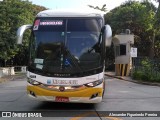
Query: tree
x,y
103,8
20,57
156,34
139,18
14,13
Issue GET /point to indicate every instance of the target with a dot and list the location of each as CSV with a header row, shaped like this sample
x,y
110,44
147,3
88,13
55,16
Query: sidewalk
x,y
12,77
128,78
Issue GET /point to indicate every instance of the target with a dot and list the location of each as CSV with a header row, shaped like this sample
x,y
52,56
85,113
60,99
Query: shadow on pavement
x,y
64,106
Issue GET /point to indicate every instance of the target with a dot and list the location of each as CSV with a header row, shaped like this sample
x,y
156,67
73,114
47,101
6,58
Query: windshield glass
x,y
65,45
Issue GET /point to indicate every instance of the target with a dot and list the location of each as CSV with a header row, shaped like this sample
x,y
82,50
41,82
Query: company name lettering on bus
x,y
62,75
52,23
65,82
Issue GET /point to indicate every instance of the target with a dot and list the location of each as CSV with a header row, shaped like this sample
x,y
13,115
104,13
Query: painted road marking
x,y
80,116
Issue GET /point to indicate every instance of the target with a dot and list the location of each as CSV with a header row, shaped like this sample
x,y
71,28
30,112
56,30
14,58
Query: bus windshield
x,y
65,45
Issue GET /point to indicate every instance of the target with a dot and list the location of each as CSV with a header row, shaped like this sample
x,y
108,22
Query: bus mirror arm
x,y
106,31
21,31
99,40
96,46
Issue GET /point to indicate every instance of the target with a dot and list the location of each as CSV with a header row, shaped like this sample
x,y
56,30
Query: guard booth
x,y
122,47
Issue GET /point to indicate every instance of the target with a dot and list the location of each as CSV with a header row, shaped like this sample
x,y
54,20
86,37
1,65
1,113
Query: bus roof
x,y
71,13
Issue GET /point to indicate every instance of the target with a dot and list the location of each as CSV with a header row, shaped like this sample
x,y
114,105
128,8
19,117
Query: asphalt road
x,y
119,96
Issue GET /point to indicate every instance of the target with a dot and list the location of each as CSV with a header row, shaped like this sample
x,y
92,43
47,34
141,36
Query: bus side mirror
x,y
108,35
21,31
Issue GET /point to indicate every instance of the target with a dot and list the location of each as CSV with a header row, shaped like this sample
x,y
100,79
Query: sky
x,y
82,4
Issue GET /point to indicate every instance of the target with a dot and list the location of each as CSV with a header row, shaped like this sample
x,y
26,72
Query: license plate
x,y
62,99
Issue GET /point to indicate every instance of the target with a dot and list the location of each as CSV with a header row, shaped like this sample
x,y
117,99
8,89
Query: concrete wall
x,y
4,71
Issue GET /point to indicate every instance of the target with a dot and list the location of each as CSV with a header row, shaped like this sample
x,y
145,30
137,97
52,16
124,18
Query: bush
x,y
137,75
146,72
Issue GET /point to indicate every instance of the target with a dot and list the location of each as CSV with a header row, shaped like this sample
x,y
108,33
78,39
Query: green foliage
x,y
147,72
142,18
147,68
136,16
14,13
103,8
137,75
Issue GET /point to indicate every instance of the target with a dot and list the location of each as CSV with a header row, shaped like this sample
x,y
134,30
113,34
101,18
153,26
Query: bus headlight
x,y
95,83
33,82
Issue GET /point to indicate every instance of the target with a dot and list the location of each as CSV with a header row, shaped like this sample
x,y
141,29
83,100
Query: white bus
x,y
67,56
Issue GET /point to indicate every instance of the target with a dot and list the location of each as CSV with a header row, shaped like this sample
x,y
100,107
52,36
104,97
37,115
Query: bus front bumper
x,y
87,95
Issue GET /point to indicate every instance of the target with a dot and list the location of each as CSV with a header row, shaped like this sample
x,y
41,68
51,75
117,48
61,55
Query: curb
x,y
134,81
5,79
11,78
